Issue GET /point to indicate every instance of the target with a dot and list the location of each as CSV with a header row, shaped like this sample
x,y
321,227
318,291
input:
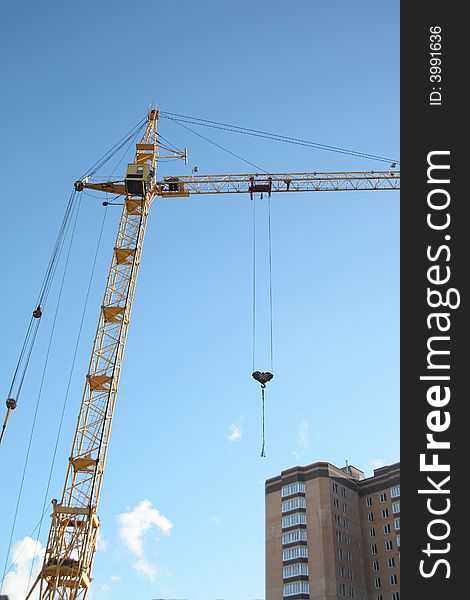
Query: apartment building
x,y
332,534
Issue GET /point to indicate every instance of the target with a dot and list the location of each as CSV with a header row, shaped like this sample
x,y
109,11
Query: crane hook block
x,y
37,313
263,378
11,403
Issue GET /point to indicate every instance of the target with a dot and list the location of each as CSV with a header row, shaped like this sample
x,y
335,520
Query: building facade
x,y
331,534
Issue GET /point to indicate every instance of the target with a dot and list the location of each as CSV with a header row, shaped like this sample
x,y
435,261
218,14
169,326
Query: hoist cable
x,y
16,558
72,367
112,151
22,353
270,285
253,309
28,344
45,287
219,146
273,136
46,361
262,377
27,359
263,453
126,150
22,364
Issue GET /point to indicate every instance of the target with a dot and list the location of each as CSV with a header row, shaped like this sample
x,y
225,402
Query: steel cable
x,y
272,136
46,361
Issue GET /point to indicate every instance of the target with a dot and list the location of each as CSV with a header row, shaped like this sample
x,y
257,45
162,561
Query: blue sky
x,y
182,506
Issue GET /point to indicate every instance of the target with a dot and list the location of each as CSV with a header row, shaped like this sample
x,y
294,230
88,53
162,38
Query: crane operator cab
x,y
140,179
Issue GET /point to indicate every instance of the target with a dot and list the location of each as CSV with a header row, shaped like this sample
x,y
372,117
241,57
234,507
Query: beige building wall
x,y
273,546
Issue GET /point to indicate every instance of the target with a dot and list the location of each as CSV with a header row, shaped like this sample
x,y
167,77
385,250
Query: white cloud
x,y
236,431
25,552
101,542
215,520
146,568
377,463
102,590
133,525
303,441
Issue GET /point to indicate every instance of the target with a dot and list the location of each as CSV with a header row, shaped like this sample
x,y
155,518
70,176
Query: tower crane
x,y
66,572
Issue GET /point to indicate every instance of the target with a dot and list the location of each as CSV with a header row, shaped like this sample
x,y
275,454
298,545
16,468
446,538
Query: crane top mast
x,y
140,176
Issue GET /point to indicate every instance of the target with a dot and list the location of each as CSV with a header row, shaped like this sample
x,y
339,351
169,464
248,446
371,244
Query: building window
x,y
346,524
294,536
338,520
343,492
351,593
395,508
340,553
349,557
395,595
397,523
347,539
384,513
375,565
391,563
293,488
372,532
369,501
295,570
295,519
370,517
336,502
293,504
296,587
296,552
342,589
338,536
388,545
386,529
350,574
373,549
335,488
377,583
393,580
345,507
379,597
398,540
395,492
341,570
383,497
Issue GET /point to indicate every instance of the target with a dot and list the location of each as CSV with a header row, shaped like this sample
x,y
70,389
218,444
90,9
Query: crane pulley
x,y
66,571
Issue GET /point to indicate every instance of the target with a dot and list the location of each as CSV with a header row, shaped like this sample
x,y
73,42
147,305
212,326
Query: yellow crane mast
x,y
66,571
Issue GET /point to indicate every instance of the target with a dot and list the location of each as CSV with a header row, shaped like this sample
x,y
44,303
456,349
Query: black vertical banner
x,y
434,301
